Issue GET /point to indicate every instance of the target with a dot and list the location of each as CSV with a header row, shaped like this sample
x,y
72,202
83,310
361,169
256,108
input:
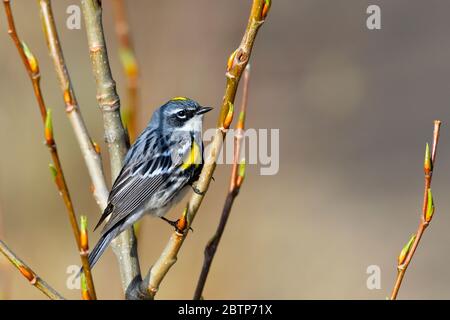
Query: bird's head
x,y
181,114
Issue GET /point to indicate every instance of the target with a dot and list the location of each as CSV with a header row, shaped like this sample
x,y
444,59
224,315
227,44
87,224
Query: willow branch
x,y
236,65
29,274
237,177
408,251
130,67
125,245
131,70
107,97
84,244
5,280
89,149
32,67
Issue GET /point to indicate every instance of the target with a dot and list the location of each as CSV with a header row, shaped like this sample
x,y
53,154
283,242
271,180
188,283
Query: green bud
x,y
427,165
128,61
241,171
31,59
53,170
48,131
404,253
83,282
430,207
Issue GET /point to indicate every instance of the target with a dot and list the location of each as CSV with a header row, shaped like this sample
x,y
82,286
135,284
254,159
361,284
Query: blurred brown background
x,y
354,108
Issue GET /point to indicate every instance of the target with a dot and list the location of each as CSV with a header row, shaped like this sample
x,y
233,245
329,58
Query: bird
x,y
158,170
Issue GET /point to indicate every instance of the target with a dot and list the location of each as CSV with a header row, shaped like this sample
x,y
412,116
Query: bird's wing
x,y
137,182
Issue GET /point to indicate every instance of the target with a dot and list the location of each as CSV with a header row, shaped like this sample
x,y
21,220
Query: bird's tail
x,y
99,248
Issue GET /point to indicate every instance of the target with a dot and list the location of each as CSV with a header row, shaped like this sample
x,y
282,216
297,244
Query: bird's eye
x,y
181,114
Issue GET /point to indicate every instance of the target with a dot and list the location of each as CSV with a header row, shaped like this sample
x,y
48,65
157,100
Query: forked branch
x,y
31,64
237,177
235,66
89,149
407,253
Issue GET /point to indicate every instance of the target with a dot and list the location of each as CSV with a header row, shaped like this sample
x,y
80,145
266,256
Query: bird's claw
x,y
197,191
175,224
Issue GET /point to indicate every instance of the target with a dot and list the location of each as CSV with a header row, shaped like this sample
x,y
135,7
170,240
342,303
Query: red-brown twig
x,y
407,252
31,64
131,70
237,177
89,149
84,244
29,274
130,67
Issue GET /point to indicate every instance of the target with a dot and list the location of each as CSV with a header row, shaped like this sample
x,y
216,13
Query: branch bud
x,y
48,130
404,253
229,117
128,61
31,59
230,61
182,223
241,121
67,96
27,273
53,171
84,242
427,165
430,206
96,147
241,174
266,8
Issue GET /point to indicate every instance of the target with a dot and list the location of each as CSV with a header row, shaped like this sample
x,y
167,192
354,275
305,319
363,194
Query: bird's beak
x,y
203,110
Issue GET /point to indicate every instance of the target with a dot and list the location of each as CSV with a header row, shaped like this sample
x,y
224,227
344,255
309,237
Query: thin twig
x,y
237,176
125,245
32,67
130,67
408,251
235,67
89,149
5,280
29,274
84,244
131,70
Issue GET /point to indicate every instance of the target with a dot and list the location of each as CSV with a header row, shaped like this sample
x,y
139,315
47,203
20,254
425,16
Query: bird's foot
x,y
197,191
175,224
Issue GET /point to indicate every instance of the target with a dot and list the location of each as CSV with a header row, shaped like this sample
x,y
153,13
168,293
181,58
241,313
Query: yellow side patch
x,y
193,157
179,98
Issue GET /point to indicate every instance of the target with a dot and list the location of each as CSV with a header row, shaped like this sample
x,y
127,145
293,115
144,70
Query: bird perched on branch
x,y
158,170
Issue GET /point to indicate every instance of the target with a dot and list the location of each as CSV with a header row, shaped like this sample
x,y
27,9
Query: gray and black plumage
x,y
158,169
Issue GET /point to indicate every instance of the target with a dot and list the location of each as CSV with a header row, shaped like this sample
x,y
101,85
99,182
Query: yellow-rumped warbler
x,y
158,169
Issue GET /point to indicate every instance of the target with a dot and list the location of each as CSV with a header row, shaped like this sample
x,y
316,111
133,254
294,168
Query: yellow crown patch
x,y
179,99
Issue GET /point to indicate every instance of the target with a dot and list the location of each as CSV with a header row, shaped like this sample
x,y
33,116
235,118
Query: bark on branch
x,y
125,245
